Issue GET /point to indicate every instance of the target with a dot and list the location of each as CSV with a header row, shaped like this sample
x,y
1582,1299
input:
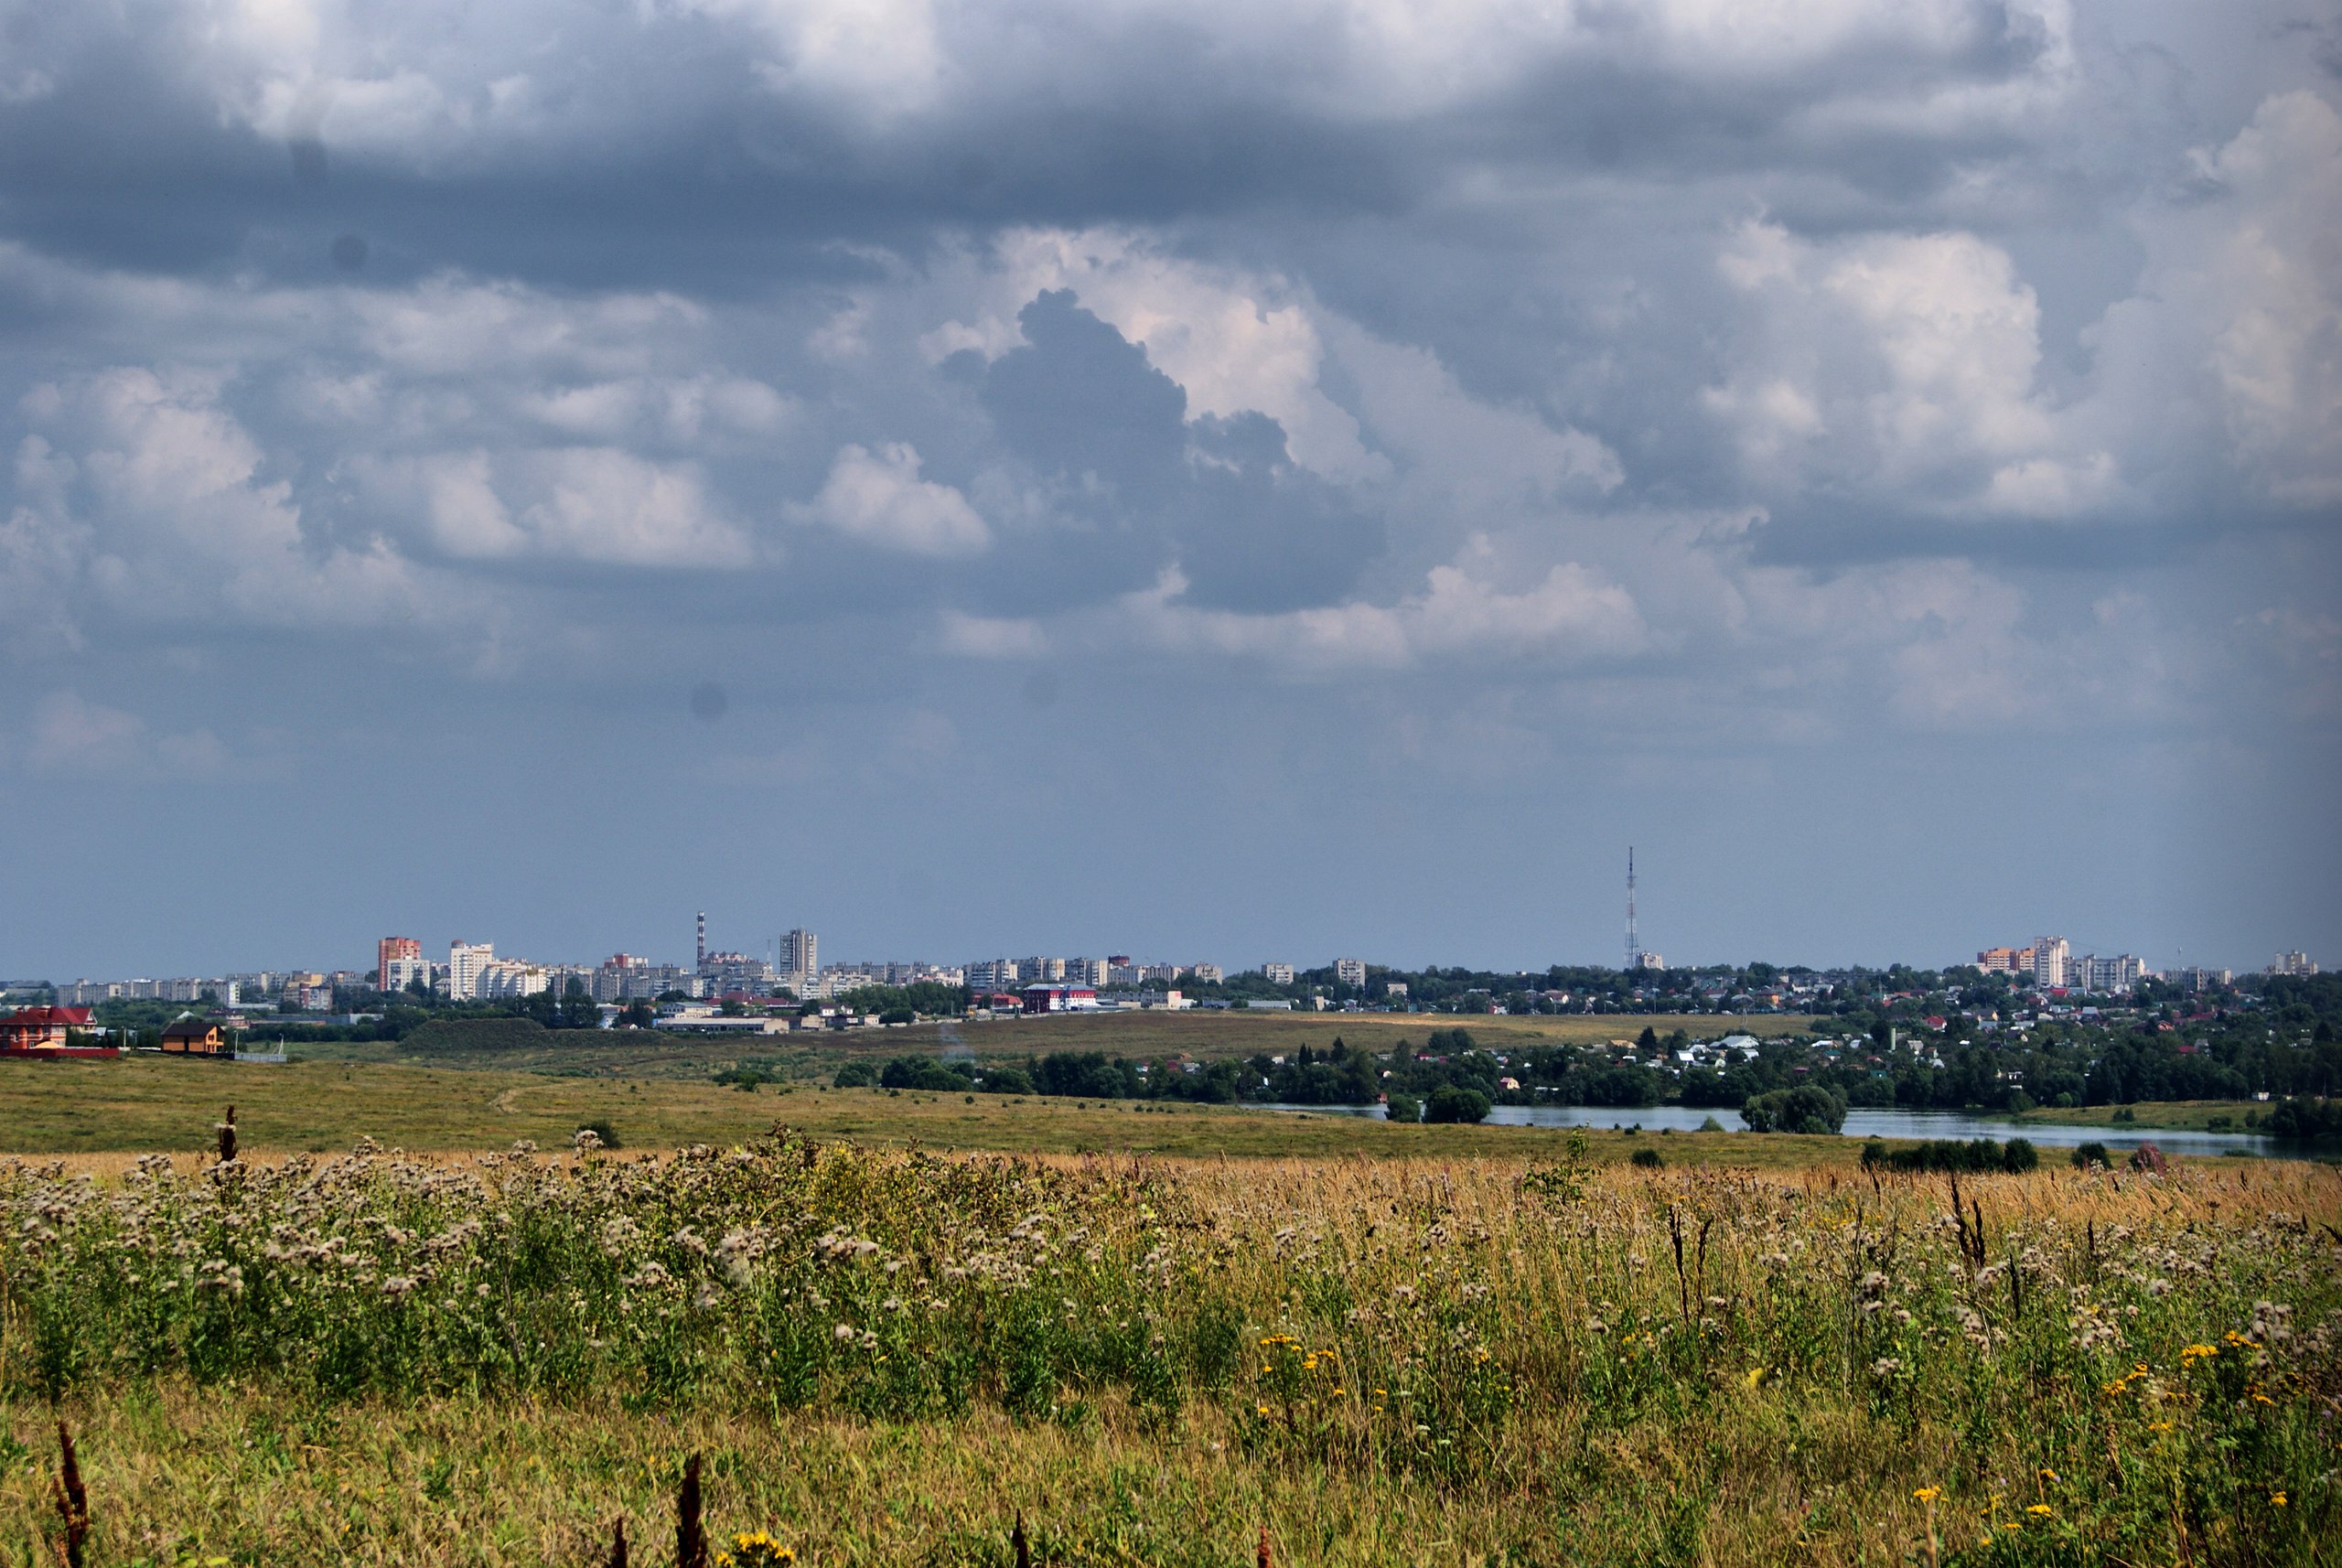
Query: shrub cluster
x,y
1978,1155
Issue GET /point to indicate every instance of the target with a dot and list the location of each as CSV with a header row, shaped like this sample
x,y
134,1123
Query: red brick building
x,y
40,1029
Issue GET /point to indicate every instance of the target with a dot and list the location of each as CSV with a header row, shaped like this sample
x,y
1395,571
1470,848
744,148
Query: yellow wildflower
x,y
1928,1494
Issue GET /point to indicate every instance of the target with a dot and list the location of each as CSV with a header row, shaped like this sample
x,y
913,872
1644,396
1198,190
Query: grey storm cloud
x,y
1357,435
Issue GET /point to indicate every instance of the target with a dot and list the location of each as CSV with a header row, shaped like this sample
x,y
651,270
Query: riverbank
x,y
2187,1115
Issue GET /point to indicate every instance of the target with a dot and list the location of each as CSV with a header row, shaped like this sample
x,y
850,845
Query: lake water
x,y
1959,1124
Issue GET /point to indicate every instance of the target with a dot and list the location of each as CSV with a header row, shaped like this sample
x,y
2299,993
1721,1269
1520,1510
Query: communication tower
x,y
1634,943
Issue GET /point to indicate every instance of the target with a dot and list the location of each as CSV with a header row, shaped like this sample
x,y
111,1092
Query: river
x,y
1860,1124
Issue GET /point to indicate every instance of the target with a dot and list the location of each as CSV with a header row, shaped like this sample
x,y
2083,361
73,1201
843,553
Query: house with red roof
x,y
44,1029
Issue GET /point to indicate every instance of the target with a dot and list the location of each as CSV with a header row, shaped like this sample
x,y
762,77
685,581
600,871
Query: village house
x,y
196,1036
41,1029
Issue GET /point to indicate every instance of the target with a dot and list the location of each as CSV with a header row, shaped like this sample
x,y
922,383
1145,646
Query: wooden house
x,y
196,1037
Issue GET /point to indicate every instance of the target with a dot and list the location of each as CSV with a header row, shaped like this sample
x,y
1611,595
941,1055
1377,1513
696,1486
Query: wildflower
x,y
841,1333
1928,1494
2278,1499
2039,1510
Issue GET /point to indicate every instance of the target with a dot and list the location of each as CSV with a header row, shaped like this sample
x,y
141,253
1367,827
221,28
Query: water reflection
x,y
1958,1124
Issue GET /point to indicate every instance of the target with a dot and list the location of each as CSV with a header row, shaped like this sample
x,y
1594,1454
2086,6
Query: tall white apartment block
x,y
1277,974
506,977
1350,971
466,961
2051,960
2298,964
800,953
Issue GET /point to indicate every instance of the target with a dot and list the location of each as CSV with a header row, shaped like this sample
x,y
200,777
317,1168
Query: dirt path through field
x,y
504,1101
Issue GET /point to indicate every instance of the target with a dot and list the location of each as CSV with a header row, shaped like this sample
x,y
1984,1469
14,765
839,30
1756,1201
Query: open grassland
x,y
887,1356
149,1104
1139,1035
2171,1115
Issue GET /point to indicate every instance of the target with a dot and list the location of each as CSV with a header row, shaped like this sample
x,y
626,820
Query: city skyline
x,y
2050,962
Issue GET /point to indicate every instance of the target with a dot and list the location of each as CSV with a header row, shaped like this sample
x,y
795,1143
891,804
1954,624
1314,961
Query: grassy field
x,y
138,1105
1139,1035
887,1358
2175,1115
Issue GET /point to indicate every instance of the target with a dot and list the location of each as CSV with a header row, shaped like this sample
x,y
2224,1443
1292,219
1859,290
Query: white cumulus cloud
x,y
879,499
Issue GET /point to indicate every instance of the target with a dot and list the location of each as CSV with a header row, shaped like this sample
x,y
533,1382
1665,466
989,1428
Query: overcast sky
x,y
1223,481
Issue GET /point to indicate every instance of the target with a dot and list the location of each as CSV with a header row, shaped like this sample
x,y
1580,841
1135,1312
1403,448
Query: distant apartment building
x,y
1277,974
653,981
1209,973
465,963
1042,970
801,954
729,972
1647,961
403,973
505,978
609,981
624,977
1395,989
2048,962
993,975
2298,964
389,950
1162,973
2197,981
1350,971
2120,972
1089,971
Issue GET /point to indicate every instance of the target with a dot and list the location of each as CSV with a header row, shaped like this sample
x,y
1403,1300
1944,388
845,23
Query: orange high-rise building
x,y
389,949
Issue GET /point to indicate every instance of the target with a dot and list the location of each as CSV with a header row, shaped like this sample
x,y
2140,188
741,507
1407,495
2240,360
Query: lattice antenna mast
x,y
1634,943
